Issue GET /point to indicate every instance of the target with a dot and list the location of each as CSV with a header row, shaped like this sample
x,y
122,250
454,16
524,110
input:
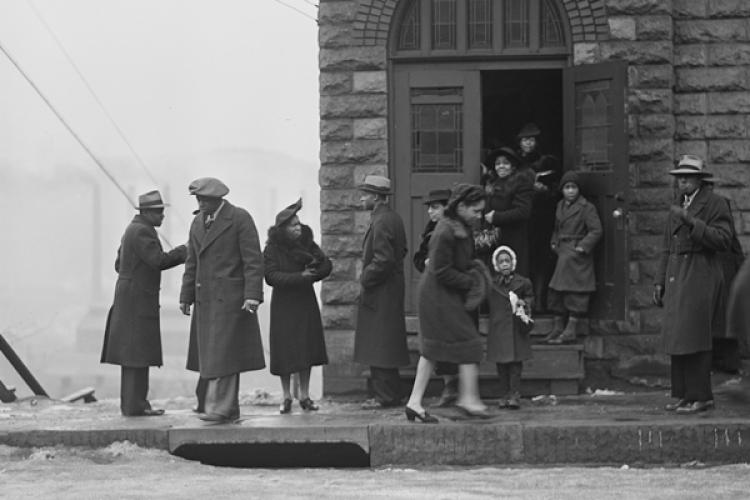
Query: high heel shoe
x,y
286,407
308,404
425,417
474,413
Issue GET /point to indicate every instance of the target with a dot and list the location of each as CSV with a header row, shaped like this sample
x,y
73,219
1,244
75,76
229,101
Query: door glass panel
x,y
408,38
593,123
552,35
516,23
436,129
480,24
443,24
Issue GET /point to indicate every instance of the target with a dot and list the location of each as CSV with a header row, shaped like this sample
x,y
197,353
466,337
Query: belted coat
x,y
380,335
224,267
576,224
132,336
690,272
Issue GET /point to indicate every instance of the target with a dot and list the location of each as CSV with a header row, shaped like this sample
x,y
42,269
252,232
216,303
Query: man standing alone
x,y
380,336
132,338
224,279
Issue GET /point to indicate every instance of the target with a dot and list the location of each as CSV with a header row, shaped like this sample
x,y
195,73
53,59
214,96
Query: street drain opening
x,y
276,455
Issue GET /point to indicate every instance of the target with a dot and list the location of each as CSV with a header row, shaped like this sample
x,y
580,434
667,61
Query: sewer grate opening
x,y
276,455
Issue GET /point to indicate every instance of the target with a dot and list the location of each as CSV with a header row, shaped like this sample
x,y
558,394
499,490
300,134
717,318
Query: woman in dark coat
x,y
689,284
293,262
510,195
448,331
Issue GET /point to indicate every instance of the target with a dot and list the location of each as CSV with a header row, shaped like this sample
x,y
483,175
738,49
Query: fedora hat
x,y
208,186
376,184
690,165
289,212
152,199
438,196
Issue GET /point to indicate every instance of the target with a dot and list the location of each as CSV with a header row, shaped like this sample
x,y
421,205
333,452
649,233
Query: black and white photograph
x,y
457,249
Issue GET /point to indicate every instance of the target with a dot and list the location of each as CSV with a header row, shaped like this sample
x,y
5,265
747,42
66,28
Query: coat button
x,y
197,285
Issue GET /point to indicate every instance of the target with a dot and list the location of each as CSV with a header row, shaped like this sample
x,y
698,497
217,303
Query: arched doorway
x,y
467,74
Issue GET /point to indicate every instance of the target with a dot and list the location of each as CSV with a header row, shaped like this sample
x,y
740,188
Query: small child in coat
x,y
508,345
577,231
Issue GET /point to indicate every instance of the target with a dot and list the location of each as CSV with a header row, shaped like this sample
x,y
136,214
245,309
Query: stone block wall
x,y
688,92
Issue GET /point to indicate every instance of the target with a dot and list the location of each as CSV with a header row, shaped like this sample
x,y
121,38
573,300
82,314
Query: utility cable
x,y
299,11
72,132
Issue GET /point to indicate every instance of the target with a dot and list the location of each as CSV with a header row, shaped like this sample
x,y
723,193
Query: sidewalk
x,y
593,429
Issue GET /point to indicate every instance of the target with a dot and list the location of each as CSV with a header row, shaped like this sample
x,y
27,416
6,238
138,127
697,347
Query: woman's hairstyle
x,y
469,194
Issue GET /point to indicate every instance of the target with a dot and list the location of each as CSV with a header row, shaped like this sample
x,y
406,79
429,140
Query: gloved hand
x,y
658,296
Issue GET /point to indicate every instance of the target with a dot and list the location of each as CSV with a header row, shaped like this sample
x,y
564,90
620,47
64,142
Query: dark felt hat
x,y
505,151
289,212
376,184
529,130
152,199
438,196
208,186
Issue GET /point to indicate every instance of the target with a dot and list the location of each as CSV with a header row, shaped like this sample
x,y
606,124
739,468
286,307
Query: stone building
x,y
417,89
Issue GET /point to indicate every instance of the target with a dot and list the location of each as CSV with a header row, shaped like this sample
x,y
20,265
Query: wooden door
x,y
437,140
596,145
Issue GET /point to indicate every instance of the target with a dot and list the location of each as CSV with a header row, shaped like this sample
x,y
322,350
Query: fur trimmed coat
x,y
296,333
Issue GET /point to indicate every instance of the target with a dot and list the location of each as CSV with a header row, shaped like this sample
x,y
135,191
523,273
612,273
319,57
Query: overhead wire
x,y
71,131
299,11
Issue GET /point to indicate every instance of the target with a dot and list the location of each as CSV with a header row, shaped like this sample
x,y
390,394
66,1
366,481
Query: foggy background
x,y
222,88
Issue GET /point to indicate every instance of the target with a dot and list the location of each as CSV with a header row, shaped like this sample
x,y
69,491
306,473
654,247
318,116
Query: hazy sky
x,y
180,77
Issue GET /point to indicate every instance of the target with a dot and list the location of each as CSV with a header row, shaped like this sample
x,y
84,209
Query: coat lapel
x,y
572,210
222,223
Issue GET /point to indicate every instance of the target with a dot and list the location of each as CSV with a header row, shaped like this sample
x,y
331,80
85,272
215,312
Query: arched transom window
x,y
479,27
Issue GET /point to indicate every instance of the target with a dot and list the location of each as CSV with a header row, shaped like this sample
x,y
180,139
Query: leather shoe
x,y
148,412
218,419
423,417
308,404
695,407
674,406
474,413
286,406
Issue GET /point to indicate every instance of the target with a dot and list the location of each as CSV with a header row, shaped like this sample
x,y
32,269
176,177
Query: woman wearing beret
x,y
293,262
448,330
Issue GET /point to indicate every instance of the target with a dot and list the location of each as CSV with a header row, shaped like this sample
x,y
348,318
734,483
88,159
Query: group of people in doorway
x,y
477,254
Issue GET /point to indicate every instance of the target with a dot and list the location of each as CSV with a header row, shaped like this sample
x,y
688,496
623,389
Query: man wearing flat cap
x,y
224,281
132,338
380,336
689,283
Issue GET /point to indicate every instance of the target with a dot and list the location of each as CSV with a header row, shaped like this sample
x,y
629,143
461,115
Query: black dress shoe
x,y
695,407
674,406
423,417
153,412
308,404
286,407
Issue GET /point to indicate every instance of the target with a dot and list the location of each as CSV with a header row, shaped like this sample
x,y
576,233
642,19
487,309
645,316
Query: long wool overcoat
x,y
132,336
448,332
224,267
511,199
296,334
506,340
380,335
691,274
576,225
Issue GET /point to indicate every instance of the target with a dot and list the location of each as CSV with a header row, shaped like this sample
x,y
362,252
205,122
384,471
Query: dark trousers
x,y
509,375
133,390
200,394
691,376
385,384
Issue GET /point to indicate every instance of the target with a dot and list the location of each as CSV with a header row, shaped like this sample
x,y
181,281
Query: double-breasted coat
x,y
296,333
576,225
691,274
224,268
507,341
510,198
380,335
447,331
132,336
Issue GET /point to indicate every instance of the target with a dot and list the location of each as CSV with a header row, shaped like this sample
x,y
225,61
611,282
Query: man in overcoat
x,y
132,337
689,283
224,280
380,336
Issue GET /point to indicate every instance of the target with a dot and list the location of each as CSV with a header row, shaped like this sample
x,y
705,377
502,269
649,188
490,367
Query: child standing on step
x,y
577,231
508,346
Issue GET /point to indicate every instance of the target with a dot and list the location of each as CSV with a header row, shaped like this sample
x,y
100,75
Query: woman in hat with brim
x,y
292,263
689,284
